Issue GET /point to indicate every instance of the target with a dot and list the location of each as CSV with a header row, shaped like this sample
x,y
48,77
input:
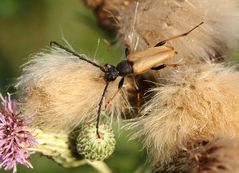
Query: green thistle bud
x,y
91,147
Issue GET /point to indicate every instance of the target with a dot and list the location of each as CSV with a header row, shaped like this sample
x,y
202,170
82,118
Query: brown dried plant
x,y
219,155
198,102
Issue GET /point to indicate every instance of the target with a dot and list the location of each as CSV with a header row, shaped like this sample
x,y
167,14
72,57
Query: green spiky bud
x,y
94,147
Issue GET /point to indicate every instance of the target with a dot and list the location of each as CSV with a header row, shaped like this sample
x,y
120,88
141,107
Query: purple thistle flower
x,y
15,137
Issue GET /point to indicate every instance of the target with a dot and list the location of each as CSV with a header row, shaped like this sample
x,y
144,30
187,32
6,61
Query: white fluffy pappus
x,y
220,155
153,21
198,102
64,91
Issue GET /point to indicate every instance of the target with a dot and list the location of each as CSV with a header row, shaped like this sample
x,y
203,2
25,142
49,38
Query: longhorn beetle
x,y
136,63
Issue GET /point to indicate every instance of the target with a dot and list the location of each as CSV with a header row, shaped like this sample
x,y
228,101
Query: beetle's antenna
x,y
76,54
99,109
177,36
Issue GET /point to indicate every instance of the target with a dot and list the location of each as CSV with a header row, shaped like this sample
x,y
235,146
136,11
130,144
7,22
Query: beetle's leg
x,y
161,43
121,83
109,43
138,96
163,66
142,36
126,51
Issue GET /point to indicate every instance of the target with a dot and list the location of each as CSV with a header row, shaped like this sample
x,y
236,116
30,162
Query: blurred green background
x,y
26,27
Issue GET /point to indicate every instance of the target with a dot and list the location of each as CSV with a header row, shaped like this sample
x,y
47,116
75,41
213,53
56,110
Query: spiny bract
x,y
92,147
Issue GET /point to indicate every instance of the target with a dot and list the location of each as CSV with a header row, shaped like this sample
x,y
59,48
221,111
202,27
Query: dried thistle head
x,y
107,11
64,91
144,23
198,102
219,155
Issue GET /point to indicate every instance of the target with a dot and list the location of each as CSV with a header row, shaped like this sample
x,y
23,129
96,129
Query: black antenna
x,y
99,109
52,43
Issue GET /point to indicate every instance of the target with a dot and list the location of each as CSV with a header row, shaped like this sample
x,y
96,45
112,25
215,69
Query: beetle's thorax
x,y
125,68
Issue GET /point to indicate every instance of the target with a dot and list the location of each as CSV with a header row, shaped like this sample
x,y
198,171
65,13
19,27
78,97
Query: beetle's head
x,y
111,73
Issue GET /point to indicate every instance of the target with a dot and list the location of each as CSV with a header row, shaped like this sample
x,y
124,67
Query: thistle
x,y
197,103
55,93
144,23
94,147
15,138
219,155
